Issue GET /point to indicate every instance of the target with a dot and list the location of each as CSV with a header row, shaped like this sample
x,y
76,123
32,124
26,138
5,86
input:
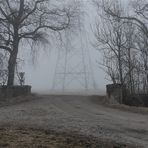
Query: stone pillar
x,y
14,91
115,93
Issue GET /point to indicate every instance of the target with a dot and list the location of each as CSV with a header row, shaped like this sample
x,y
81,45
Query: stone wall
x,y
115,93
14,91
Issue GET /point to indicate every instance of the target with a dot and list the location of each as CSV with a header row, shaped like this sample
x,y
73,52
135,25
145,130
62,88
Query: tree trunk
x,y
120,68
12,62
130,71
11,68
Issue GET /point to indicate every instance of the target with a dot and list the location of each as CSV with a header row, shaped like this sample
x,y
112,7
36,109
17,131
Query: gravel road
x,y
78,114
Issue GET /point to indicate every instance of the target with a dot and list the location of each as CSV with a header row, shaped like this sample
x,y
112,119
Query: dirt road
x,y
78,114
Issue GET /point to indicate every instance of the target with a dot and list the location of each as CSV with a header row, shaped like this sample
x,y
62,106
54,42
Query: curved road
x,y
79,114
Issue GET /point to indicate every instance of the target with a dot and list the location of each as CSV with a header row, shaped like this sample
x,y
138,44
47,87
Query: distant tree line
x,y
122,37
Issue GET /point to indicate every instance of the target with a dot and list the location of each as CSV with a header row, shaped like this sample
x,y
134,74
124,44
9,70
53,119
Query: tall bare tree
x,y
142,46
22,20
110,35
132,54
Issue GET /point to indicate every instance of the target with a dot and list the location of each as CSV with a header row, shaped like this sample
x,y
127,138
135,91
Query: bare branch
x,y
6,48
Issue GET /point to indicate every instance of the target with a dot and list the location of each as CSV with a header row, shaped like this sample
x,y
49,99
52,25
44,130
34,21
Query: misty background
x,y
40,75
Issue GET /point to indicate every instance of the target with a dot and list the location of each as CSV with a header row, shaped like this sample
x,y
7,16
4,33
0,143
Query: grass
x,y
30,138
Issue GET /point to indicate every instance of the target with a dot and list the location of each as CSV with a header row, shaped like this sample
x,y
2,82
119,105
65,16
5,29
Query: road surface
x,y
78,114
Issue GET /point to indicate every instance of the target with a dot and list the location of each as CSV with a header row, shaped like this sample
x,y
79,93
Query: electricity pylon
x,y
73,67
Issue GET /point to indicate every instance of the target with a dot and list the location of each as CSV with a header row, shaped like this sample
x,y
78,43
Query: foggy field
x,y
74,114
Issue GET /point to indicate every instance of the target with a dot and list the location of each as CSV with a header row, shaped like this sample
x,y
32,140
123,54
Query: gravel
x,y
77,114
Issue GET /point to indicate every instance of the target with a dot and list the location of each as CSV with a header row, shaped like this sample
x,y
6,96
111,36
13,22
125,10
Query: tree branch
x,y
33,10
145,28
21,9
6,48
64,26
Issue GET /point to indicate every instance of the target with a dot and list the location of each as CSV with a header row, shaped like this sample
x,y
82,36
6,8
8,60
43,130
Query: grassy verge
x,y
30,138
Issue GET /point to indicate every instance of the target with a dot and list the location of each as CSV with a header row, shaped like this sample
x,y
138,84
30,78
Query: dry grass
x,y
29,138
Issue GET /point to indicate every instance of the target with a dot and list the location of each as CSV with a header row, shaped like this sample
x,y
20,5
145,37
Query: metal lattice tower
x,y
73,67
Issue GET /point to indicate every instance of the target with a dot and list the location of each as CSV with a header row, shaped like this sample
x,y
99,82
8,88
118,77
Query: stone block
x,y
115,93
14,91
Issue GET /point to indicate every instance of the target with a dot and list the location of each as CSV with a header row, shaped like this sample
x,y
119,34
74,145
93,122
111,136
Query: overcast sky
x,y
41,75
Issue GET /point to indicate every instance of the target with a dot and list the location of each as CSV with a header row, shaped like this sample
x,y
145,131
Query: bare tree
x,y
22,20
130,56
140,17
111,38
118,39
142,46
124,41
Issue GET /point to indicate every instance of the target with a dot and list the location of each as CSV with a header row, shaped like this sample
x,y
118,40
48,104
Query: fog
x,y
41,74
